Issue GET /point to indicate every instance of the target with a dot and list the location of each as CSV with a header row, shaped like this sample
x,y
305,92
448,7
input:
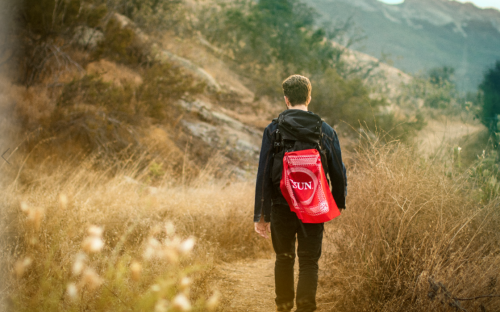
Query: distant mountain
x,y
422,34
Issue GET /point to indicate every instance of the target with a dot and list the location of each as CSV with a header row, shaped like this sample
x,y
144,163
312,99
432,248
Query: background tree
x,y
442,75
490,88
278,33
272,39
441,89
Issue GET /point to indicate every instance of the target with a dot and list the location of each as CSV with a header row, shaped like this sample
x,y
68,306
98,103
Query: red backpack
x,y
305,188
299,164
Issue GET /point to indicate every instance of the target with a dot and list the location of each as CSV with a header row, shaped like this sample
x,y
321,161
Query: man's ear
x,y
287,102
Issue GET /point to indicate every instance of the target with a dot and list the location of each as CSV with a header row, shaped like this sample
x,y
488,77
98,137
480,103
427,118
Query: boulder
x,y
87,37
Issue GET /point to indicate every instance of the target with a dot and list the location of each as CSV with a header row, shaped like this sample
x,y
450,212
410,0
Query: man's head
x,y
297,90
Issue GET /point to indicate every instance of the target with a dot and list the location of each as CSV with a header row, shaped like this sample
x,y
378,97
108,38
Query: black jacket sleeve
x,y
263,190
336,168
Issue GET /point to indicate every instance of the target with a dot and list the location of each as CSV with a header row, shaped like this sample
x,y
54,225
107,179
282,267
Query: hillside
x,y
422,34
162,94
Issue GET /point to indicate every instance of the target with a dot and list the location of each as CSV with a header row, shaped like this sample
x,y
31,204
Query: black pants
x,y
285,227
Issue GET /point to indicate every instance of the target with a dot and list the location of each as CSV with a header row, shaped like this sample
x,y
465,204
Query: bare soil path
x,y
247,285
445,133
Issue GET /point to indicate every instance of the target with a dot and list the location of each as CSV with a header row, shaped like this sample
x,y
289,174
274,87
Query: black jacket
x,y
266,195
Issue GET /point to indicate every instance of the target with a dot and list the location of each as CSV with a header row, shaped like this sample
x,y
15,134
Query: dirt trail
x,y
444,133
247,285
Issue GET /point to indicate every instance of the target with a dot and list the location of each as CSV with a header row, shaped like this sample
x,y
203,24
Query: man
x,y
273,215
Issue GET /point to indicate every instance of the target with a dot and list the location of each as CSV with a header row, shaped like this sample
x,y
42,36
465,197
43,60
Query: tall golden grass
x,y
77,239
410,225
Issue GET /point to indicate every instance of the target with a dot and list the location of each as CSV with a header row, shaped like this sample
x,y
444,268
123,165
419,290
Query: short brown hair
x,y
297,89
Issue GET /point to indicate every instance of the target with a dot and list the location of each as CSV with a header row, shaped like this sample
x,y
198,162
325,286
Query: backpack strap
x,y
321,134
277,138
278,141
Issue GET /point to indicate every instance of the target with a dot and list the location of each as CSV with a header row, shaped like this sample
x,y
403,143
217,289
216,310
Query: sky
x,y
479,3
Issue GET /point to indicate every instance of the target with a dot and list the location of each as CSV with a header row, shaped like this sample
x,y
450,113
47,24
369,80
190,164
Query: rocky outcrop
x,y
236,140
87,37
161,55
197,71
387,80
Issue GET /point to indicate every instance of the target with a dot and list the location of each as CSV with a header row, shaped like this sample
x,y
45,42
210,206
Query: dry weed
x,y
406,222
80,239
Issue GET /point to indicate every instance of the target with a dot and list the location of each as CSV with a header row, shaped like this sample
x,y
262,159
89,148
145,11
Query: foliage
x,y
272,32
348,101
273,39
437,90
93,90
391,127
49,18
441,75
101,115
165,82
484,176
154,16
490,88
338,99
48,26
44,27
120,45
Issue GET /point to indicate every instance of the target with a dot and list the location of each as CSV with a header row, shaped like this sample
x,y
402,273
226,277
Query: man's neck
x,y
299,107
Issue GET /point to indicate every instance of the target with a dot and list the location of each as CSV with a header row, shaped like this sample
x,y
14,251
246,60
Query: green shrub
x,y
490,93
437,90
268,36
155,16
484,176
339,100
270,40
347,101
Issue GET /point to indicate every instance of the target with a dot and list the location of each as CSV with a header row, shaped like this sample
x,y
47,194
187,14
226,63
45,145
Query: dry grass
x,y
407,221
47,222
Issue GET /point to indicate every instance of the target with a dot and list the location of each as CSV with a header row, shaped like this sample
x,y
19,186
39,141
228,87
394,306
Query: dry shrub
x,y
33,104
406,222
120,44
9,125
97,114
49,235
46,28
114,73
